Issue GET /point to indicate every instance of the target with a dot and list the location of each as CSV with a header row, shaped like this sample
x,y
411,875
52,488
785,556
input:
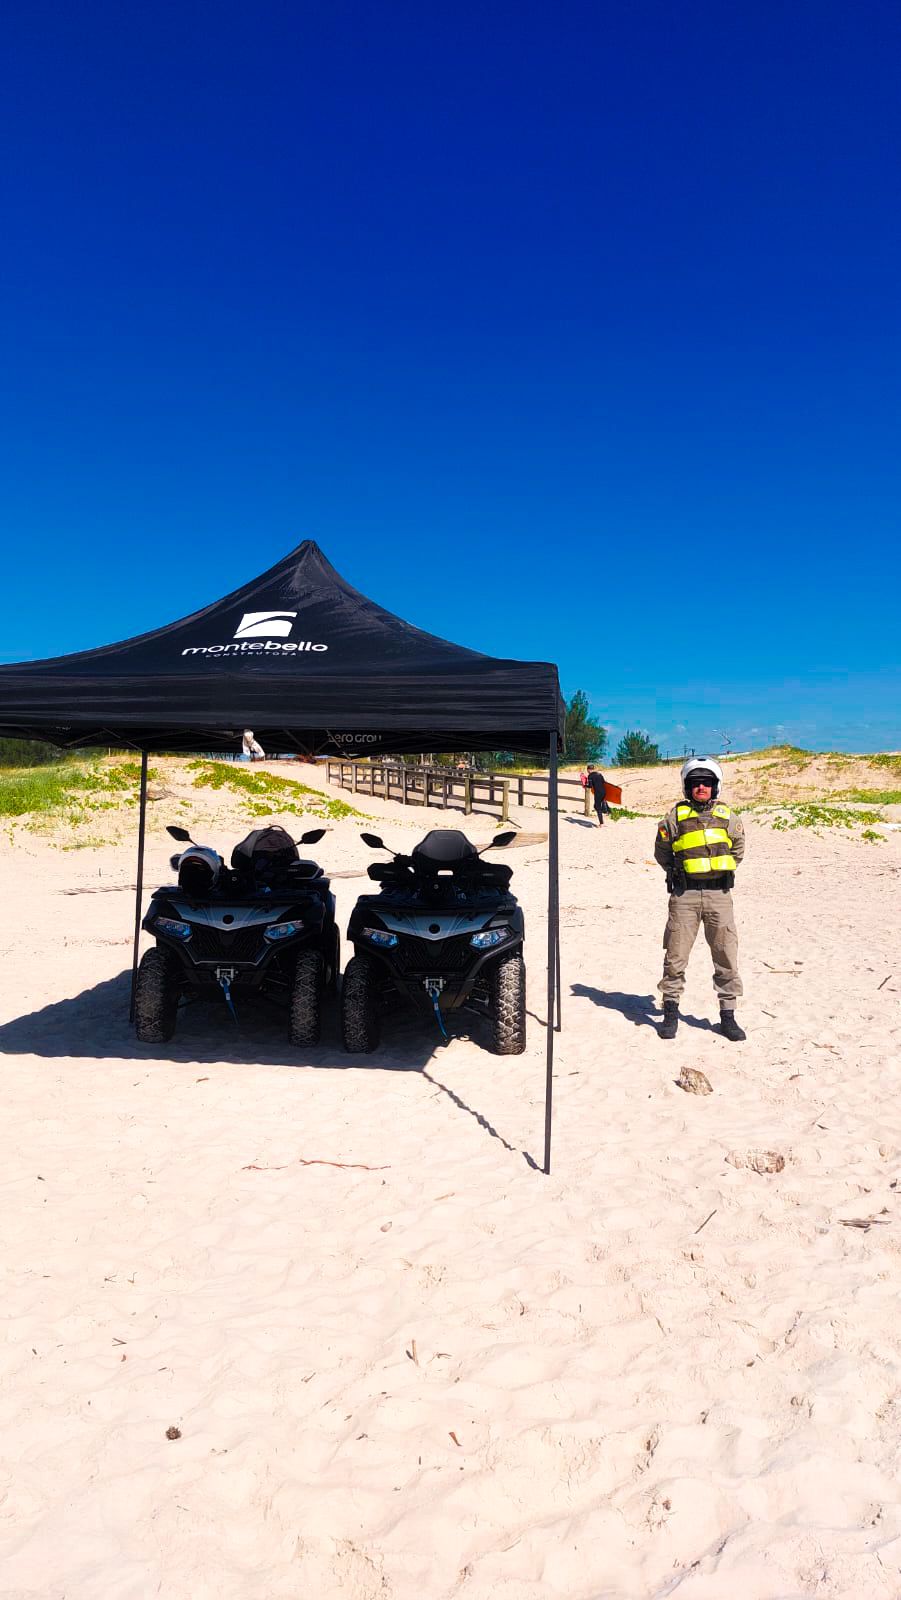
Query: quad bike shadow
x,y
93,1026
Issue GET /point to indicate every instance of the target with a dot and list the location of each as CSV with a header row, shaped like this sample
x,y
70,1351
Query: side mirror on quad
x,y
382,871
179,833
313,837
175,862
501,839
373,841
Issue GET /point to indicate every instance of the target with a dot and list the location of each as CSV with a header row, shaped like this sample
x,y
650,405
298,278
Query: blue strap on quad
x,y
433,993
226,988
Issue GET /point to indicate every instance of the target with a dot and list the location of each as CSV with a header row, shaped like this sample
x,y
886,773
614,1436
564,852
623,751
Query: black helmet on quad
x,y
265,855
701,769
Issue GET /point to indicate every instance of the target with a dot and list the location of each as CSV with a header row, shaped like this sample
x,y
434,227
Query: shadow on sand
x,y
641,1009
94,1026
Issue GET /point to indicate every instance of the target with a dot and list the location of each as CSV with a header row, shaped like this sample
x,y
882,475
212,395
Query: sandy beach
x,y
400,1360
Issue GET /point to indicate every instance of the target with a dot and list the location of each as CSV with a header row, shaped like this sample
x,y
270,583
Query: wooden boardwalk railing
x,y
450,788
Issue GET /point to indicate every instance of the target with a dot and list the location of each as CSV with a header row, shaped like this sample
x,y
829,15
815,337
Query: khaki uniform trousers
x,y
687,911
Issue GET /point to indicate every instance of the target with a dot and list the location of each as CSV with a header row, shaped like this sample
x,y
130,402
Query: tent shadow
x,y
94,1026
641,1009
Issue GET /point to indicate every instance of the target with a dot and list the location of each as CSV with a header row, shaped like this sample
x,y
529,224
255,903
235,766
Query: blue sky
x,y
568,332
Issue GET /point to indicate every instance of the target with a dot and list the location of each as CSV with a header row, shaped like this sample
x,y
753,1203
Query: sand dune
x,y
402,1362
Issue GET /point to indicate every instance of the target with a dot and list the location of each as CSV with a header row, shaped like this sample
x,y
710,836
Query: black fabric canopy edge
x,y
377,684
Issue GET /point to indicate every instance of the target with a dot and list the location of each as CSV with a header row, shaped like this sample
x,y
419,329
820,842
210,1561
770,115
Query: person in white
x,y
251,747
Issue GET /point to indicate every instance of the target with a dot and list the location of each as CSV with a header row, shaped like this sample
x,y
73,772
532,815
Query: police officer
x,y
699,844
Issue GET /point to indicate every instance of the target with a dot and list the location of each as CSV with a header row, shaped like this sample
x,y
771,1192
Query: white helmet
x,y
697,766
198,870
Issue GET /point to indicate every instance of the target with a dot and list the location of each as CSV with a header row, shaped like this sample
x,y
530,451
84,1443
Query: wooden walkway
x,y
448,788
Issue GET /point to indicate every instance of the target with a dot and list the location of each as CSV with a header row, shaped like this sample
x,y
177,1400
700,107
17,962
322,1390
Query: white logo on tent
x,y
265,625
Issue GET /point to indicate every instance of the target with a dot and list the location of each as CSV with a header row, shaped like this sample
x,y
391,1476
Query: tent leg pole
x,y
553,936
139,887
559,982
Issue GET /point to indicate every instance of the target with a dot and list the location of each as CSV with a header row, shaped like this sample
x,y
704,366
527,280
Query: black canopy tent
x,y
311,665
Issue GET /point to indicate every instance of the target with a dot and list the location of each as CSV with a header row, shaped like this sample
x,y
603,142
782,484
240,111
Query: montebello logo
x,y
270,626
265,625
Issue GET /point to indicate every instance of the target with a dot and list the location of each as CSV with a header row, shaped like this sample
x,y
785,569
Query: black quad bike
x,y
266,923
443,932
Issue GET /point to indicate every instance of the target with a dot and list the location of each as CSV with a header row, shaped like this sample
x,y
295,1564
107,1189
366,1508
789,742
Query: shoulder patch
x,y
721,810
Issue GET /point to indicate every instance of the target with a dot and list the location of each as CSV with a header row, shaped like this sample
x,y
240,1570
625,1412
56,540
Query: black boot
x,y
729,1027
670,1023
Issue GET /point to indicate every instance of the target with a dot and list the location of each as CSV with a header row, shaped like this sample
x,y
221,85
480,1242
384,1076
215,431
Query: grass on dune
x,y
810,814
873,797
265,793
68,785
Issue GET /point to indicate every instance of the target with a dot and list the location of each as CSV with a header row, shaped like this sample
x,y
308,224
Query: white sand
x,y
431,1371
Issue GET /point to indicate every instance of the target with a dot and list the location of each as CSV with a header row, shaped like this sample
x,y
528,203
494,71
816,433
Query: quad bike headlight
x,y
281,930
378,936
488,938
178,930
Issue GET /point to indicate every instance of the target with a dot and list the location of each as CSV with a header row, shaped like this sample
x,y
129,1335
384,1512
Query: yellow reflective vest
x,y
699,848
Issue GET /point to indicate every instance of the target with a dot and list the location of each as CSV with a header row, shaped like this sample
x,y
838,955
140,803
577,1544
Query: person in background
x,y
699,844
251,748
594,781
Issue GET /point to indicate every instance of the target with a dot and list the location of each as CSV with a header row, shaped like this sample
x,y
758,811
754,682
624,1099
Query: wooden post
x,y
467,793
445,791
505,800
519,782
356,775
587,801
403,783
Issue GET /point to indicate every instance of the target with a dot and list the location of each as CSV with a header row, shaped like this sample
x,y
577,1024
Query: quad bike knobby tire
x,y
507,1001
305,1010
359,1007
156,999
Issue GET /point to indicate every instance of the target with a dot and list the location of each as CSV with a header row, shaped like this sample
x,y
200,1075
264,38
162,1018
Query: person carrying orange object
x,y
596,782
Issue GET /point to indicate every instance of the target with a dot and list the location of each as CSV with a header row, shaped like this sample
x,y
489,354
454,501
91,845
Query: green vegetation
x,y
636,750
872,837
584,739
618,812
873,797
27,753
783,750
70,786
810,815
265,793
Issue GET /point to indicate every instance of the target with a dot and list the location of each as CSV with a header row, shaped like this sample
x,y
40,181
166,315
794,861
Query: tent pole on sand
x,y
553,946
139,887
